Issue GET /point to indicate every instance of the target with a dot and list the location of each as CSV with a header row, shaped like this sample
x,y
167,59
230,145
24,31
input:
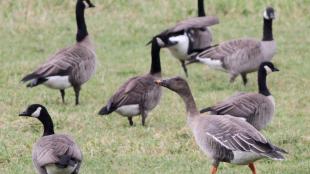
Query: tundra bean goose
x,y
139,94
241,56
53,153
257,108
223,138
71,66
188,36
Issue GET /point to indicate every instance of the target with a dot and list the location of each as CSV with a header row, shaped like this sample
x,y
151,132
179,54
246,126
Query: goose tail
x,y
34,80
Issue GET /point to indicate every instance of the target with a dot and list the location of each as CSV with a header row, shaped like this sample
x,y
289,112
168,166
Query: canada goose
x,y
223,138
188,36
71,66
53,153
241,56
257,108
139,94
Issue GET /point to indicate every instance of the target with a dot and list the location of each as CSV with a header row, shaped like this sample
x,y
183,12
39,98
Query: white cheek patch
x,y
160,42
268,70
37,112
86,4
266,15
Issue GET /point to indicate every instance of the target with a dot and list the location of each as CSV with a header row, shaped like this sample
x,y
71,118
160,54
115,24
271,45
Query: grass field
x,y
31,30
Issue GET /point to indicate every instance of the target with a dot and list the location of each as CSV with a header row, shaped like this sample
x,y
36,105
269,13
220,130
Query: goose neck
x,y
80,21
262,86
190,103
155,53
267,35
201,9
47,122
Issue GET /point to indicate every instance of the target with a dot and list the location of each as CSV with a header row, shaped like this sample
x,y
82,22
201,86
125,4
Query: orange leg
x,y
252,167
213,170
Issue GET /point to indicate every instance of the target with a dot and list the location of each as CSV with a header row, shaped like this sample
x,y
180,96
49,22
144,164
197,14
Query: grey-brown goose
x,y
257,108
223,138
139,94
188,36
241,56
71,66
53,153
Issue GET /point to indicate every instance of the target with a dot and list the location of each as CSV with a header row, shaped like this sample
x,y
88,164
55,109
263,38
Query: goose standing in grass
x,y
241,56
53,153
223,138
189,36
257,108
71,66
139,94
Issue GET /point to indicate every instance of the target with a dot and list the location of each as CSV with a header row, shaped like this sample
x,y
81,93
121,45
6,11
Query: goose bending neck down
x,y
223,138
189,36
53,153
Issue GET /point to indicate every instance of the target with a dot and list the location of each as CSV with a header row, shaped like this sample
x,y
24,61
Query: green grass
x,y
31,30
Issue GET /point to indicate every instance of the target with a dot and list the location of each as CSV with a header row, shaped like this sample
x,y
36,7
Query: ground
x,y
31,30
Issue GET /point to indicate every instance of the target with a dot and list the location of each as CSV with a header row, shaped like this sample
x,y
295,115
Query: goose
x,y
257,108
223,138
71,66
241,56
139,94
53,153
189,36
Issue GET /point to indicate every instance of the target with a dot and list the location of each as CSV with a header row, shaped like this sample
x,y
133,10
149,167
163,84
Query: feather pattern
x,y
78,62
139,90
48,149
256,108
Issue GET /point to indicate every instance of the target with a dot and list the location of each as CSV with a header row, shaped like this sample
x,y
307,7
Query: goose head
x,y
269,13
34,110
176,84
86,4
268,67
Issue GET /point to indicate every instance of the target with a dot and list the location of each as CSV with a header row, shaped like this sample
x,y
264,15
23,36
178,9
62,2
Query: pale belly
x,y
53,169
129,110
244,158
57,82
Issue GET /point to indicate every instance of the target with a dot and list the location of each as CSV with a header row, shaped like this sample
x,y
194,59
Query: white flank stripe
x,y
129,110
57,82
215,64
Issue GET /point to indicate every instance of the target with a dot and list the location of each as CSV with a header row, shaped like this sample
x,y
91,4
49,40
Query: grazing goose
x,y
223,138
188,36
241,56
139,94
53,153
71,66
256,108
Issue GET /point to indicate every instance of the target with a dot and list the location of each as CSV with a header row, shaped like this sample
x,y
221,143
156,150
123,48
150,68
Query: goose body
x,y
189,36
138,95
71,66
257,108
223,138
241,56
53,153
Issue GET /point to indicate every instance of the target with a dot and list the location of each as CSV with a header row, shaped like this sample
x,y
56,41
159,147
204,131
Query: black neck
x,y
201,9
47,123
267,30
262,87
80,21
155,67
